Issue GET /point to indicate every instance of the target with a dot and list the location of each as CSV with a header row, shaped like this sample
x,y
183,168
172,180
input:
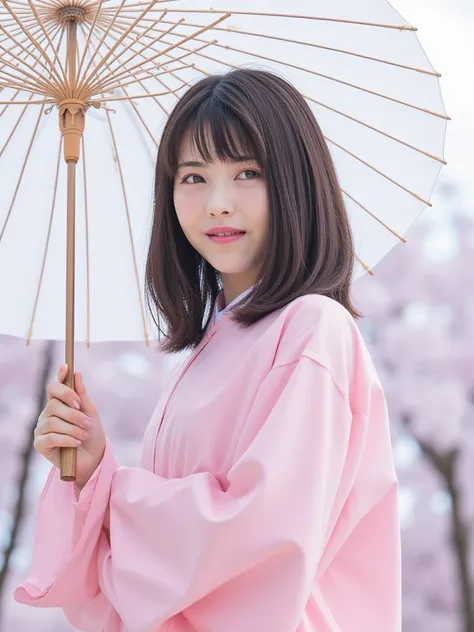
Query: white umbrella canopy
x,y
360,66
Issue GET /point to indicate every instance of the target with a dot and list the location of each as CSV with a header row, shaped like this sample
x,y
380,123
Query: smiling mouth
x,y
225,238
237,232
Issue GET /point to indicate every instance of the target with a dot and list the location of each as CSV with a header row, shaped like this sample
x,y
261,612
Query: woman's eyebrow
x,y
191,163
197,163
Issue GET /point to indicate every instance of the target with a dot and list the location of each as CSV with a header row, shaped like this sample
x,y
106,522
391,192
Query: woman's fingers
x,y
55,425
47,442
56,408
62,373
60,391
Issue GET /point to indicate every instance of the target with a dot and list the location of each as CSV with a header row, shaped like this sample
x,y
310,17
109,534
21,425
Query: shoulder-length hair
x,y
309,246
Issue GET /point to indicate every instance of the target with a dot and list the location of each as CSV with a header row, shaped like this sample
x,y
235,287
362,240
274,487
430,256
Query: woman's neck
x,y
233,286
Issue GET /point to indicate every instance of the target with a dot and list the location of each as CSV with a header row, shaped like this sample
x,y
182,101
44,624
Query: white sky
x,y
446,32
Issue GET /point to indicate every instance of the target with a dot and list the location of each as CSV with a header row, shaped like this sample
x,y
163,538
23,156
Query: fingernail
x,y
87,422
76,405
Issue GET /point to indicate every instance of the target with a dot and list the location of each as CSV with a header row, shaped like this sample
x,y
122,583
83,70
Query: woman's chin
x,y
231,271
228,267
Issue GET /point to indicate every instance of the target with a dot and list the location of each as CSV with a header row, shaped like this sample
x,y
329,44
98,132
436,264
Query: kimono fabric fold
x,y
265,500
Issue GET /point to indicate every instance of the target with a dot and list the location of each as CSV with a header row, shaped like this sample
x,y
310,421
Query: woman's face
x,y
218,197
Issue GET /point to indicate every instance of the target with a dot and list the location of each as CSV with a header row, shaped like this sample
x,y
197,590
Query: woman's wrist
x,y
80,483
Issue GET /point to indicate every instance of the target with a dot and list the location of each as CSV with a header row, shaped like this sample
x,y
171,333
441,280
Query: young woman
x,y
266,497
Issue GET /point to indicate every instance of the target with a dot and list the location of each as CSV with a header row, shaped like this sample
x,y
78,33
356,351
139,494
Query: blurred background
x,y
419,327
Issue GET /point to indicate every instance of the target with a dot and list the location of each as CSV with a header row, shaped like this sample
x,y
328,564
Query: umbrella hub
x,y
71,14
64,11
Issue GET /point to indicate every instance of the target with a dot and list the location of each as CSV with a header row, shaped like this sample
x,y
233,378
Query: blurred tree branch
x,y
26,459
445,465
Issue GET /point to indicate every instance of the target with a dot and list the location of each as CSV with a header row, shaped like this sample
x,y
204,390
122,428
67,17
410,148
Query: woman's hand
x,y
61,424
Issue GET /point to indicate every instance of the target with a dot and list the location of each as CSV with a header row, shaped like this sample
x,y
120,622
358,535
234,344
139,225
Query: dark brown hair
x,y
310,247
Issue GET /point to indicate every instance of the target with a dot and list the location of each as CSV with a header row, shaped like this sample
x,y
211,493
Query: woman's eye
x,y
188,179
250,174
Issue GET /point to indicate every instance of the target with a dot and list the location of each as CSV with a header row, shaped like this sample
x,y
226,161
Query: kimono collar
x,y
219,307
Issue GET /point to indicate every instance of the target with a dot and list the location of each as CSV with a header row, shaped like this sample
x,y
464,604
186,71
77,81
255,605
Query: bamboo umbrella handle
x,y
68,456
68,464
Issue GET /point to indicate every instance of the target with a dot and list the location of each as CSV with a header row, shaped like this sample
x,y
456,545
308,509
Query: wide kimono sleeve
x,y
64,568
256,539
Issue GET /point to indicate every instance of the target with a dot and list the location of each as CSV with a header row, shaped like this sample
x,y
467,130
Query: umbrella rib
x,y
24,5
174,45
152,75
415,195
138,96
28,102
364,208
114,74
47,5
62,31
126,48
314,45
313,72
21,87
397,27
377,130
21,173
17,83
154,98
86,212
148,73
88,80
11,102
41,50
35,80
83,79
170,47
381,173
13,81
40,22
170,72
26,50
18,31
86,46
46,246
15,127
424,110
367,164
124,193
10,22
138,113
97,13
364,265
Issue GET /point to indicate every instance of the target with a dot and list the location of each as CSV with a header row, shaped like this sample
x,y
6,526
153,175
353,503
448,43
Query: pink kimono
x,y
266,498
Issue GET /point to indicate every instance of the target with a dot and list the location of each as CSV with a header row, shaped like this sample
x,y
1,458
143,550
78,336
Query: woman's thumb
x,y
87,405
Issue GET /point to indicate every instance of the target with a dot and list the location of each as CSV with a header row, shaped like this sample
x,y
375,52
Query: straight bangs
x,y
215,125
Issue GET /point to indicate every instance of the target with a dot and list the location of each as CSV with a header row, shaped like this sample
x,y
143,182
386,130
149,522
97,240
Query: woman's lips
x,y
227,239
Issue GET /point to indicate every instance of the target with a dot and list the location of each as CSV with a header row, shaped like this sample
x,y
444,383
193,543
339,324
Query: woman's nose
x,y
220,204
